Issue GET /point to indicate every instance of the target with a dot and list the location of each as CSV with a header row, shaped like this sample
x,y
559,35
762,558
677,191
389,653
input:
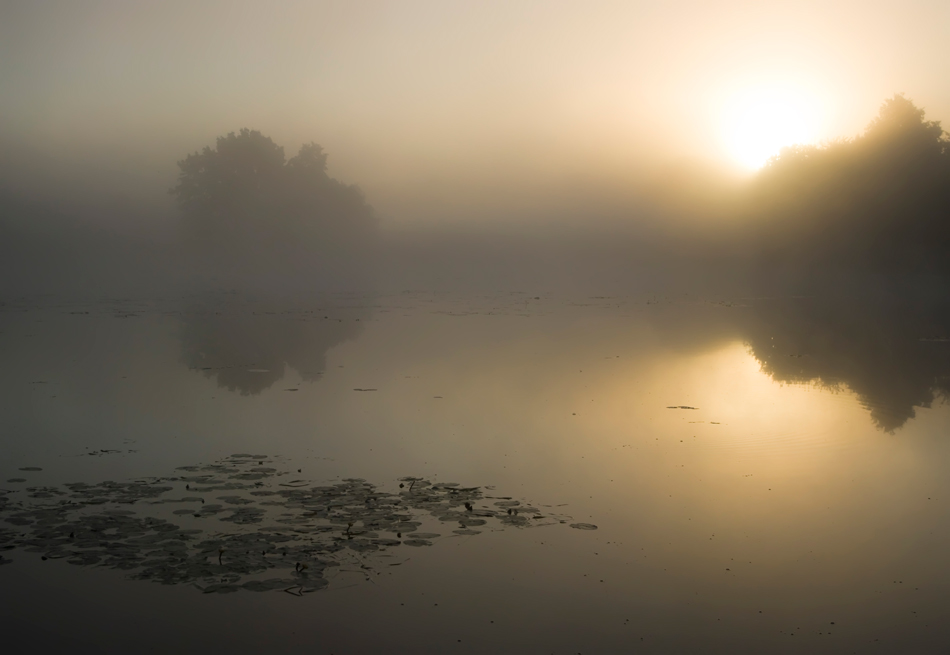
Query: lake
x,y
463,473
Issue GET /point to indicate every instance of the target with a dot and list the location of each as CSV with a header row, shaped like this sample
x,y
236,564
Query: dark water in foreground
x,y
421,473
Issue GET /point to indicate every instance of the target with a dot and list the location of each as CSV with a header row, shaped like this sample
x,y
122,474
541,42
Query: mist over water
x,y
699,436
428,328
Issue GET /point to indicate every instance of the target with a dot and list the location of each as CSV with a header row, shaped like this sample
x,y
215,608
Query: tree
x,y
243,200
879,201
900,128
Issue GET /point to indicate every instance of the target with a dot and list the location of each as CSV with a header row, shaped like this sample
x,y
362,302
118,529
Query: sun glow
x,y
759,123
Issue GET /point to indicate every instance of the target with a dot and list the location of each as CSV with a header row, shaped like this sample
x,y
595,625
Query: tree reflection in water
x,y
247,345
892,352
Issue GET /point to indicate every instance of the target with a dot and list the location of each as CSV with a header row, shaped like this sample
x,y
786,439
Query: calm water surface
x,y
765,475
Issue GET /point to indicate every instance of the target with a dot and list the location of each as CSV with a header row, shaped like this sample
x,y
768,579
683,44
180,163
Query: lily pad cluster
x,y
241,523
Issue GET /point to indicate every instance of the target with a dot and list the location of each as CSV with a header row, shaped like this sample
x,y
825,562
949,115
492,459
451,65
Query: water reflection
x,y
246,345
892,353
768,498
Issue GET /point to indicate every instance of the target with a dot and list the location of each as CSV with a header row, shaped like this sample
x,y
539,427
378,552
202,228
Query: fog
x,y
571,326
544,146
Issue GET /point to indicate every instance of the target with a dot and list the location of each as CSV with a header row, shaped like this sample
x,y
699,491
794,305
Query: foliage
x,y
243,196
880,201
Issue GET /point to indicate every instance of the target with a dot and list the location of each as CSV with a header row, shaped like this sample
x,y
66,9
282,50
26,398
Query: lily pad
x,y
299,532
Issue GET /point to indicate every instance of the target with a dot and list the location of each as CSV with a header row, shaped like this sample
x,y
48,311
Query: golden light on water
x,y
759,122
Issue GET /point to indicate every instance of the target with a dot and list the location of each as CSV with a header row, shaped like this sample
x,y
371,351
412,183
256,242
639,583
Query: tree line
x,y
878,202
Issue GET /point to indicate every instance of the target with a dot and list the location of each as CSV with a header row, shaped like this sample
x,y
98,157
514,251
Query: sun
x,y
758,123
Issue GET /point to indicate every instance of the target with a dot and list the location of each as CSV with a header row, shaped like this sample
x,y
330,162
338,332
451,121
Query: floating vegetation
x,y
104,451
583,526
266,534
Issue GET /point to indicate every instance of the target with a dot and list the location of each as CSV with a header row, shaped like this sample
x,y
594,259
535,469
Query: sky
x,y
454,111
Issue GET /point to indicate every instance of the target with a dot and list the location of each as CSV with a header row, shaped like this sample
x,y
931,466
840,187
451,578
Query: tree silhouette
x,y
880,201
243,201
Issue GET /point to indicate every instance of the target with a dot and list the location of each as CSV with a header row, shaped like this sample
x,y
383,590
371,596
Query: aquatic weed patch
x,y
242,524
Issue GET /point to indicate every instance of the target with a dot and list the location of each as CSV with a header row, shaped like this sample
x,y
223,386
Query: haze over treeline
x,y
244,213
545,145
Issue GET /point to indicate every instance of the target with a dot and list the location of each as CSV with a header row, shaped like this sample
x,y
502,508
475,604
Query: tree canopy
x,y
879,201
243,197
